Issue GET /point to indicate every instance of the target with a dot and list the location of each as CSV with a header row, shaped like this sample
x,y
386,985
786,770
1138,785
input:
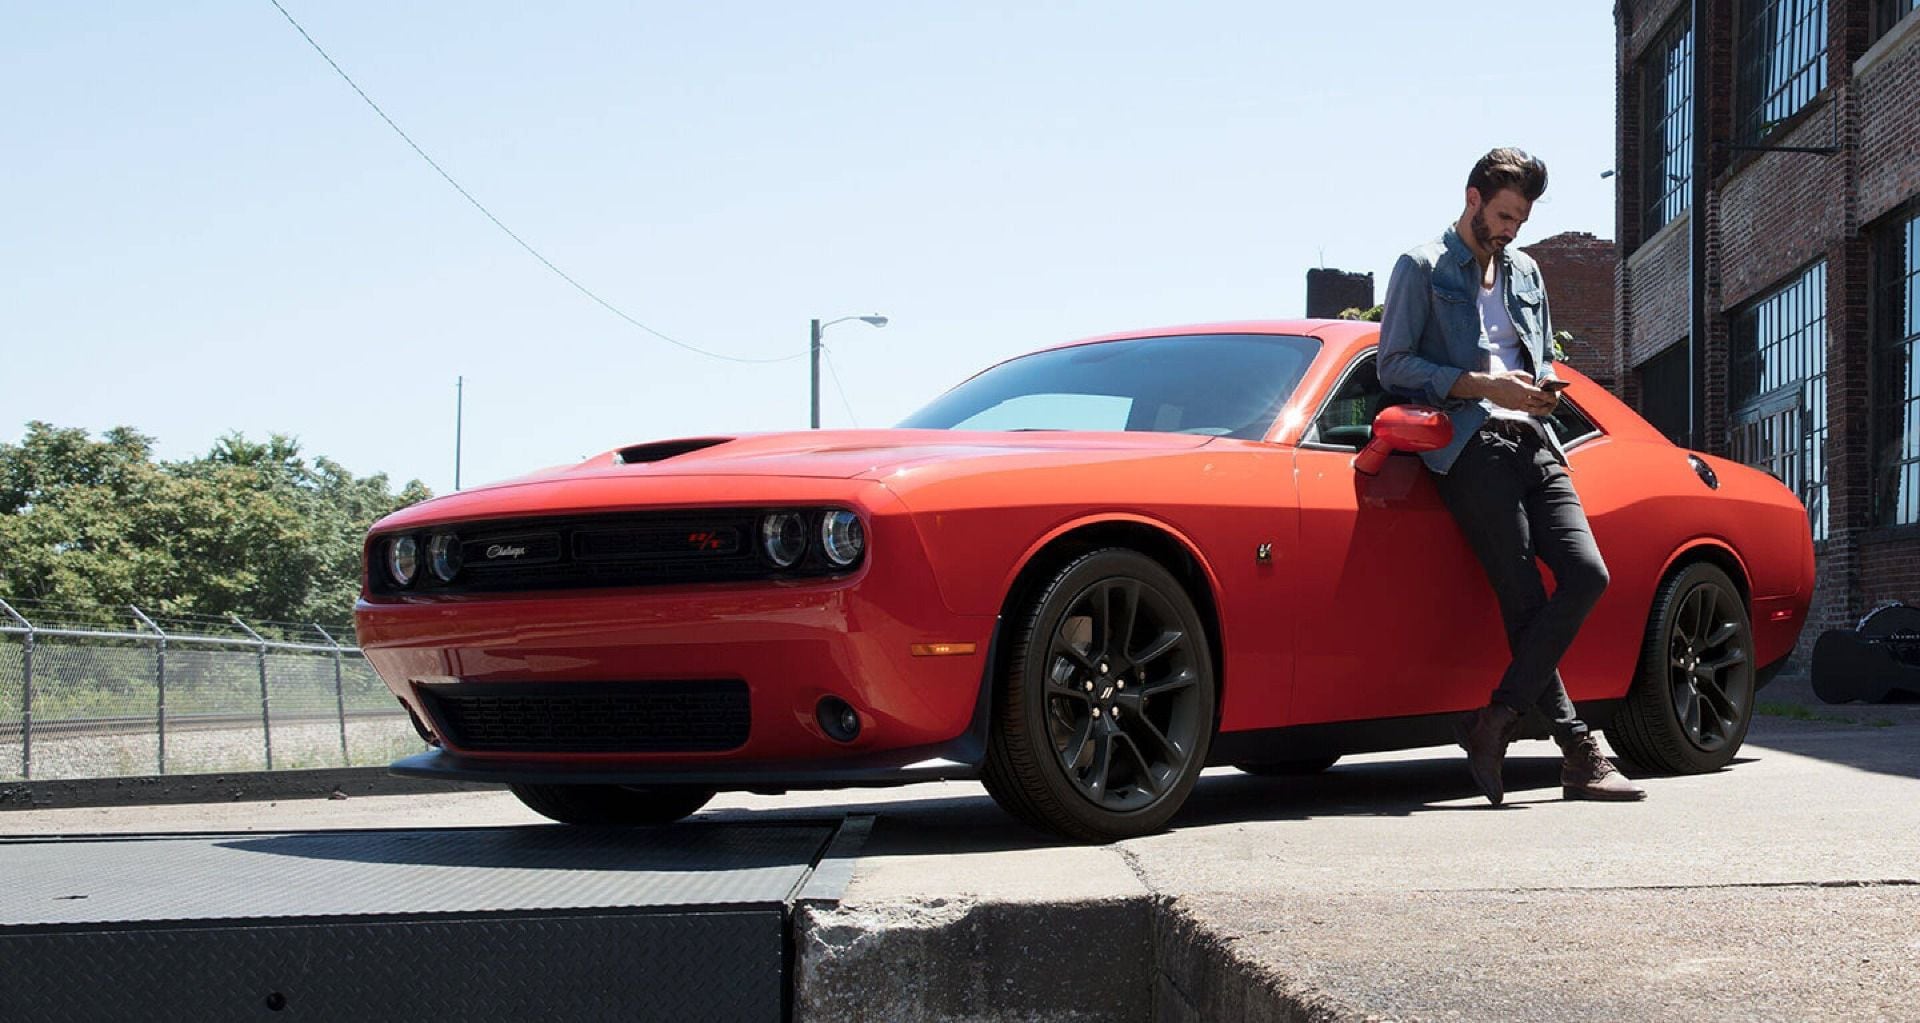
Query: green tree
x,y
250,527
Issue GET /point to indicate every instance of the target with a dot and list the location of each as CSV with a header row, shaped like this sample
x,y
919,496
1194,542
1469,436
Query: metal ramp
x,y
539,922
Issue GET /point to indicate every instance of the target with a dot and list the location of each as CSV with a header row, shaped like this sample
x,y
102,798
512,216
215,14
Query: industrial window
x,y
1887,13
1782,54
1896,372
1666,90
1664,389
1779,389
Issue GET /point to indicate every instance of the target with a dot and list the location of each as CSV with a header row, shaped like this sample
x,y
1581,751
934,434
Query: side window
x,y
1347,419
1569,425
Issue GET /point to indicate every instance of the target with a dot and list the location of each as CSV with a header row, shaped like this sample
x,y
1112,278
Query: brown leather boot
x,y
1484,734
1586,773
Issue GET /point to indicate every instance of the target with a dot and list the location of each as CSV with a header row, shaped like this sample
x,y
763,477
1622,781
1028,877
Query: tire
x,y
1073,749
1287,768
1692,698
611,806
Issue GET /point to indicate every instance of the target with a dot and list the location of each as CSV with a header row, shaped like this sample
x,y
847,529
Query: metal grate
x,y
592,717
1667,141
1782,53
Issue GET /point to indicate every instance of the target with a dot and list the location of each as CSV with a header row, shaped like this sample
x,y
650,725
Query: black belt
x,y
1512,429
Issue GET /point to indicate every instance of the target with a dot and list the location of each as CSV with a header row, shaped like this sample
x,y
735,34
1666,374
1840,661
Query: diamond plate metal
x,y
540,922
692,965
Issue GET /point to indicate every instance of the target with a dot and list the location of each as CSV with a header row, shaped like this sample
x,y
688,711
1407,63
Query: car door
x,y
1397,617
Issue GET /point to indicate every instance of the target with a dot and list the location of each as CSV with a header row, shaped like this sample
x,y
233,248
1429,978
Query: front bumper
x,y
792,643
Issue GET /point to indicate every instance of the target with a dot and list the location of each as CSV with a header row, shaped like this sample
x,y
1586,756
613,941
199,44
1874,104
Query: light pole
x,y
813,420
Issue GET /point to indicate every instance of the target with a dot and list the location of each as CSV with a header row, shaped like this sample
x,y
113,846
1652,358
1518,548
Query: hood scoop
x,y
660,451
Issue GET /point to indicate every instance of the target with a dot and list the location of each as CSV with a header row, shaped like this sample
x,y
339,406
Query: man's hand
x,y
1512,389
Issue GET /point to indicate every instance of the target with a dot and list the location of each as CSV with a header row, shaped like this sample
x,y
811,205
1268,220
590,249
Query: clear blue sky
x,y
203,229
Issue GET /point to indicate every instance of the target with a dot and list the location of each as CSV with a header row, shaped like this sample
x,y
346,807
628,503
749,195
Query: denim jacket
x,y
1430,333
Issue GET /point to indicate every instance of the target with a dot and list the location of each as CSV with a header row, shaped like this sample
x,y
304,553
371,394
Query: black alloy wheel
x,y
1105,710
612,806
1692,700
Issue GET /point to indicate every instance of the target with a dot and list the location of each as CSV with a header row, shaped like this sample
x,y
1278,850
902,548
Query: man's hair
x,y
1508,167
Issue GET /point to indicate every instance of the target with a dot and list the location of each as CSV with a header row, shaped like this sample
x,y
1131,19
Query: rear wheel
x,y
1105,709
615,806
1692,699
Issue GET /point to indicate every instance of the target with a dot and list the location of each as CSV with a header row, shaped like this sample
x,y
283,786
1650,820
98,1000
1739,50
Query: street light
x,y
818,329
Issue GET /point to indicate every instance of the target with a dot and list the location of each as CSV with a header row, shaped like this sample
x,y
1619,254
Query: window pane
x,y
1780,418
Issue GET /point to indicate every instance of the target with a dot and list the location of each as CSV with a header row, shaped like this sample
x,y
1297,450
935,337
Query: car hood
x,y
850,454
671,471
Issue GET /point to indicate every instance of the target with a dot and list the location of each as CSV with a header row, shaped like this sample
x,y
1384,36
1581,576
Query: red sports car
x,y
1081,576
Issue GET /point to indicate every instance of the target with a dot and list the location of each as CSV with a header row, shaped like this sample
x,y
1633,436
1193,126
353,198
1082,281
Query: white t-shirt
x,y
1496,323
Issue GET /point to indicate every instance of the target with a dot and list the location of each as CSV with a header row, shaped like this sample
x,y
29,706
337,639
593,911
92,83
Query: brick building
x,y
1579,271
1775,146
1331,292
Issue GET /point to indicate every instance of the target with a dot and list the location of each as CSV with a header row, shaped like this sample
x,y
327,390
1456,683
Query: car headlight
x,y
403,559
443,556
842,537
783,538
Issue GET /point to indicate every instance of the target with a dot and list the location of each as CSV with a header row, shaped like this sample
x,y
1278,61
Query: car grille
x,y
592,717
613,550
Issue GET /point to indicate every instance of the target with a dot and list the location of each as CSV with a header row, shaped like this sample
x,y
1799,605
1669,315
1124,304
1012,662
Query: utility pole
x,y
459,408
813,419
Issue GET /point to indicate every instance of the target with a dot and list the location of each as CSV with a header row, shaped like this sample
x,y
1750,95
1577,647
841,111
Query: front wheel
x,y
613,806
1104,711
1692,698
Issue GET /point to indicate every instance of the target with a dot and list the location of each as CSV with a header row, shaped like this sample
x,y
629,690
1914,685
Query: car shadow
x,y
974,823
1890,748
696,846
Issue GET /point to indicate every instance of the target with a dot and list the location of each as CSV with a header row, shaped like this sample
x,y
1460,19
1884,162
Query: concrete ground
x,y
1783,888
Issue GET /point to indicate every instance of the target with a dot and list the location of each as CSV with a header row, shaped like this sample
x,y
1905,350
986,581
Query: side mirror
x,y
1403,428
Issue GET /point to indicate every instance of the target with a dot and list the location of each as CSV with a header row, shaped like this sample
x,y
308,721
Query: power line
x,y
468,196
835,374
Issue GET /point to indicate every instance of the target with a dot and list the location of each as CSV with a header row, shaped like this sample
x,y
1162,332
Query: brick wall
x,y
1888,100
1579,270
1656,283
1766,217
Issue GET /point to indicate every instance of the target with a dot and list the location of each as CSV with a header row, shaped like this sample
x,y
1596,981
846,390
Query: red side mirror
x,y
1403,428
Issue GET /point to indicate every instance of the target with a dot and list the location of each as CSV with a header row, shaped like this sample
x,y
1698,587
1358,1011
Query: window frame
x,y
1889,13
1788,310
1666,126
1761,104
1309,437
1894,418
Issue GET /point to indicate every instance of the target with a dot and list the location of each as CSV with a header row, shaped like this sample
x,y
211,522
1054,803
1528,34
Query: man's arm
x,y
1402,319
1546,335
1407,372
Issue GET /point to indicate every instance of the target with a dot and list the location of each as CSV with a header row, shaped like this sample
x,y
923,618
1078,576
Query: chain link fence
x,y
100,693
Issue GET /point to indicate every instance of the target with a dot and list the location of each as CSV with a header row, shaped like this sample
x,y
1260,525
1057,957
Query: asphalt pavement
x,y
1783,888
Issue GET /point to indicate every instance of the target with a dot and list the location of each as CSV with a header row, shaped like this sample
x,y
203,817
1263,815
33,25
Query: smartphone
x,y
1555,385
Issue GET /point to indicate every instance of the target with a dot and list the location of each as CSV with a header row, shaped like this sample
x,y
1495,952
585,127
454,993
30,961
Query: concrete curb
x,y
1136,958
239,786
959,959
1199,978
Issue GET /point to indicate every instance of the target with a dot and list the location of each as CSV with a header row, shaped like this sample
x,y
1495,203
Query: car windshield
x,y
1221,385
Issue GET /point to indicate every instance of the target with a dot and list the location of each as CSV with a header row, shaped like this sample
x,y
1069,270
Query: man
x,y
1466,329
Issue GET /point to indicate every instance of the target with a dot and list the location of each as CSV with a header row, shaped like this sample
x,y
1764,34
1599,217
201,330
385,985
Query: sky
x,y
203,229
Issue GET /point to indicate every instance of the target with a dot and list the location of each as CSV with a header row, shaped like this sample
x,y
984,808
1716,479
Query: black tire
x,y
1692,697
611,806
1072,750
1288,768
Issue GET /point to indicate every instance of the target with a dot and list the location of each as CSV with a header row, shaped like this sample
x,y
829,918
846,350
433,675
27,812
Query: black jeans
x,y
1514,502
